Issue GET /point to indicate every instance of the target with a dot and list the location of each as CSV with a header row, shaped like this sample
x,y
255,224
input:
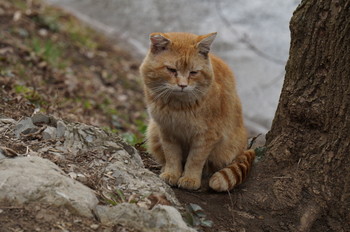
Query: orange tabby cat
x,y
195,113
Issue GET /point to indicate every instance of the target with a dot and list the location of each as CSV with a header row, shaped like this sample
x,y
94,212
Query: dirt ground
x,y
47,65
217,207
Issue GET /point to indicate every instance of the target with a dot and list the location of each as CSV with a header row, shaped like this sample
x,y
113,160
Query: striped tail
x,y
234,174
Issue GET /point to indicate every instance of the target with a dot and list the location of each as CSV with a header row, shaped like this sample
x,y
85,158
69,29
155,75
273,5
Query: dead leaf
x,y
8,152
158,199
5,50
17,16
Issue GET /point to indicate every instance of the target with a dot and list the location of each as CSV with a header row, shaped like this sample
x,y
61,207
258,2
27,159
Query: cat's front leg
x,y
199,153
172,169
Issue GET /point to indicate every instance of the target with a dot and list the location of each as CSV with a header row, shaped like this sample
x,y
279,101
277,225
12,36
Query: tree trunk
x,y
303,182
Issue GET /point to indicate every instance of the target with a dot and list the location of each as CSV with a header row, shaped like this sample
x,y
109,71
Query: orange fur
x,y
195,113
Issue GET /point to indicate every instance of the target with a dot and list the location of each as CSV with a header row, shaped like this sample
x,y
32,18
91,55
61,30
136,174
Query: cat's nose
x,y
182,86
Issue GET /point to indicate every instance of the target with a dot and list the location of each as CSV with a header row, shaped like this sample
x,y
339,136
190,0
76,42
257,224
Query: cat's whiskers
x,y
198,90
159,91
157,88
193,93
197,93
169,93
162,95
162,92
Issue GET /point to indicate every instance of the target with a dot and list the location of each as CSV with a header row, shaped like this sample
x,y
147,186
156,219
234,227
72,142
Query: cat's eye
x,y
172,70
193,72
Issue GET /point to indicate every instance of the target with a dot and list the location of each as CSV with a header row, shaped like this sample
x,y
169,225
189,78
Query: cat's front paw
x,y
170,178
189,183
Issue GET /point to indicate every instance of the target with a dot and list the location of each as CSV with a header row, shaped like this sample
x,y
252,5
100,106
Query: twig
x,y
252,141
11,207
109,176
282,177
229,195
298,163
35,134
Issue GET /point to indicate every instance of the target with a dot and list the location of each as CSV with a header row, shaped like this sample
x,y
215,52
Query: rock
x,y
34,179
25,126
94,226
49,133
135,179
61,129
80,136
127,169
40,118
72,175
2,155
161,218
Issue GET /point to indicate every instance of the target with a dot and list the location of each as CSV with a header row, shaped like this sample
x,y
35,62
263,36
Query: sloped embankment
x,y
56,175
78,177
67,70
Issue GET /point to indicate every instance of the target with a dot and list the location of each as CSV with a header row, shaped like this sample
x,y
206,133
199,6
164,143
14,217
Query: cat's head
x,y
178,66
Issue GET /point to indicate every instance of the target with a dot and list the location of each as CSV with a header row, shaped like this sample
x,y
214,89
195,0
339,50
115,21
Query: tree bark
x,y
303,182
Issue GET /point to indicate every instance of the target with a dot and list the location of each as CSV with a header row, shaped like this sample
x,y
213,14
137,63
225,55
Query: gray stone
x,y
2,155
81,136
127,167
40,118
49,133
34,179
25,126
132,178
161,218
61,129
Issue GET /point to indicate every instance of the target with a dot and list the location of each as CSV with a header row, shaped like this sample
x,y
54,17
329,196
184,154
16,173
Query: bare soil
x,y
47,65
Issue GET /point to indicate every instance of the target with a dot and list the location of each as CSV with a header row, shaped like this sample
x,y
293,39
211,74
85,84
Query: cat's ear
x,y
205,42
158,42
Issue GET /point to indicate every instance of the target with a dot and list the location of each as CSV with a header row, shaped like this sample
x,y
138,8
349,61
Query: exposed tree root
x,y
311,213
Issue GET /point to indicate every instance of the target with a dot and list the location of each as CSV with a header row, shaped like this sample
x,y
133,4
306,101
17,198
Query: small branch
x,y
282,177
252,141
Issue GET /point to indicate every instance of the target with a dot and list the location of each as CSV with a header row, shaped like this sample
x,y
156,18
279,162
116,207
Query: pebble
x,y
94,226
25,125
61,129
49,133
40,118
72,175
